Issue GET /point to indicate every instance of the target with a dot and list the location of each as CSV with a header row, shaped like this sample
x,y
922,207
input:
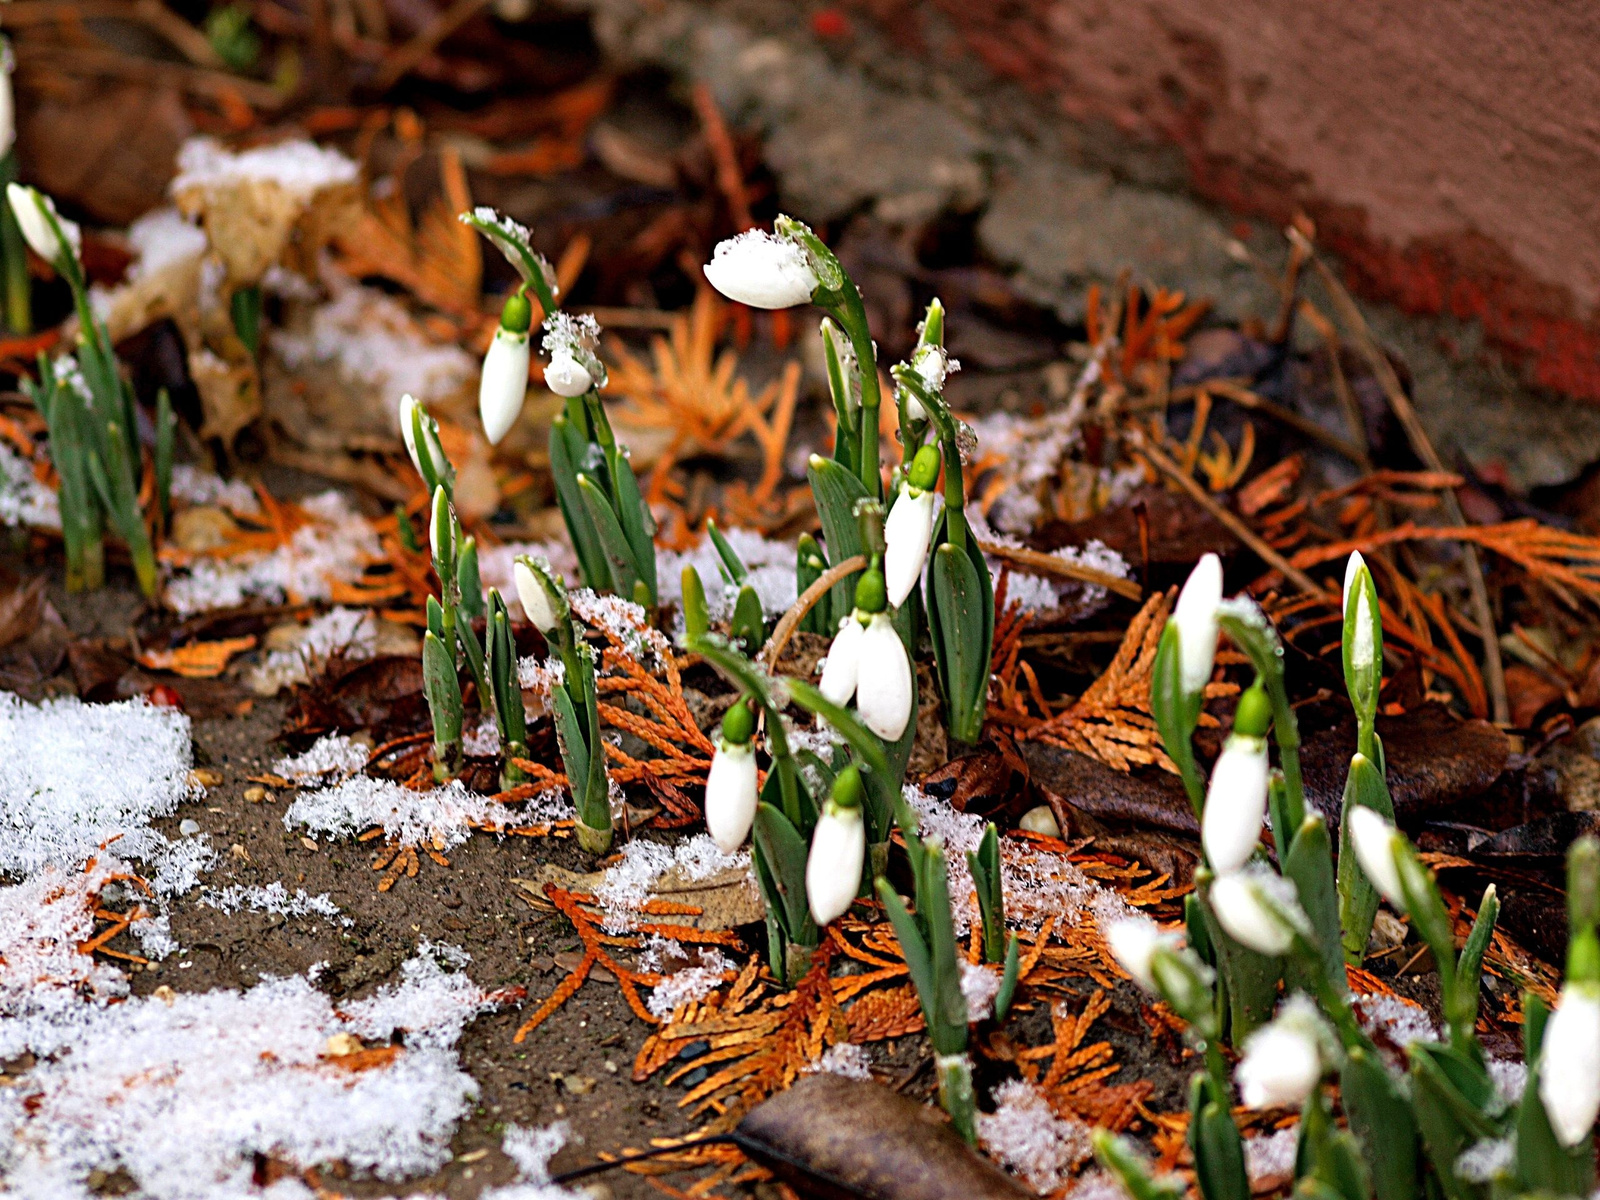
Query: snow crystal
x,y
679,987
1400,1021
23,499
979,987
532,1149
624,619
1035,593
539,677
441,817
626,886
1025,1134
333,752
376,343
75,775
191,484
298,166
1487,1160
155,937
1510,1078
845,1058
182,1092
275,897
1270,1156
1098,1185
483,741
352,632
1033,448
335,546
160,238
771,565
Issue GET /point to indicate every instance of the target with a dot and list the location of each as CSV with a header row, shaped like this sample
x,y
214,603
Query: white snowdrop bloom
x,y
430,434
1363,646
840,671
731,794
1374,840
1282,1061
1569,1063
907,533
504,383
535,597
441,529
566,376
1257,909
833,868
885,690
26,203
1236,804
762,270
1134,942
1196,617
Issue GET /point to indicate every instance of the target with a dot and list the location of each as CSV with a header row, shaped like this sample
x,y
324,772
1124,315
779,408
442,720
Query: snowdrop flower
x,y
868,660
908,531
1134,942
566,376
1258,909
441,529
1195,614
762,270
538,590
504,383
1569,1063
1236,800
1363,648
409,409
731,782
838,847
1375,841
1283,1061
29,205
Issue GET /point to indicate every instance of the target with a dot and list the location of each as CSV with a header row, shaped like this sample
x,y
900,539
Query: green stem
x,y
853,318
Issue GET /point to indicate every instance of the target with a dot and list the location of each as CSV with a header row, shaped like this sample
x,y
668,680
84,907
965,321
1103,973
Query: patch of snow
x,y
1036,593
539,677
626,885
182,1092
24,500
483,741
1510,1078
532,1149
275,897
1271,1156
843,1058
1487,1160
979,986
681,986
439,817
771,565
1025,1135
333,753
1400,1021
160,238
297,165
191,484
624,619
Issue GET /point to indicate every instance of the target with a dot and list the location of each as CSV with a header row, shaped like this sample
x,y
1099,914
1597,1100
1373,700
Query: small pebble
x,y
255,795
1040,820
188,827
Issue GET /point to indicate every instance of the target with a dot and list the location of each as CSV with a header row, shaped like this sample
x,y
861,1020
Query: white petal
x,y
8,113
1569,1064
1196,616
566,376
535,600
1352,564
731,795
1133,940
504,383
1242,911
35,229
885,691
408,406
1373,839
762,271
906,532
833,868
1281,1065
839,673
1236,804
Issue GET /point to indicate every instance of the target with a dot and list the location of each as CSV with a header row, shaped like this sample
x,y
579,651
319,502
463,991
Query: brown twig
x,y
1245,398
807,600
1493,668
404,60
1161,462
730,180
1037,562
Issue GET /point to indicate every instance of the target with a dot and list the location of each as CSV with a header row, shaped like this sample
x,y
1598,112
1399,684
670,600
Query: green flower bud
x,y
924,472
517,314
739,723
872,593
1254,714
848,790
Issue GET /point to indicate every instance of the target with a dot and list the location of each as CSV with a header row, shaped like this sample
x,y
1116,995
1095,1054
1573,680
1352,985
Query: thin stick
x,y
1049,564
790,620
730,180
1245,398
404,60
1235,526
1493,668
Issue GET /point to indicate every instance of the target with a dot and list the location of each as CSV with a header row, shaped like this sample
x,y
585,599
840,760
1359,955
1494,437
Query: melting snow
x,y
191,484
275,898
685,985
1271,1156
297,166
1027,1136
440,817
329,754
771,566
23,499
844,1058
627,885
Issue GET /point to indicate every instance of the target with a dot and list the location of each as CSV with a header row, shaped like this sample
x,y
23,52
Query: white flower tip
x,y
1374,841
1195,614
566,376
885,690
1133,942
761,270
731,795
504,384
1352,565
1236,804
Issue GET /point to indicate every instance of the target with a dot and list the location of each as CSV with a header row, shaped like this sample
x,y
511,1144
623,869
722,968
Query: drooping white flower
x,y
841,670
504,384
907,534
885,689
731,794
1236,803
833,868
566,376
1195,615
1258,909
535,597
1569,1063
441,529
430,435
1134,941
1363,646
1374,840
1282,1061
762,270
25,204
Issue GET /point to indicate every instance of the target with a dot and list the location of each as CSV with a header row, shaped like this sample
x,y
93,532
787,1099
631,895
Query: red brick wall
x,y
1449,150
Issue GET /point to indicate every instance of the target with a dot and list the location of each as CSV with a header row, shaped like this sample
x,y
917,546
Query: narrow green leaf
x,y
956,617
1309,865
1358,899
1380,1117
836,490
442,689
619,554
785,852
468,581
913,949
166,436
1008,979
571,732
733,568
1175,718
567,448
637,523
